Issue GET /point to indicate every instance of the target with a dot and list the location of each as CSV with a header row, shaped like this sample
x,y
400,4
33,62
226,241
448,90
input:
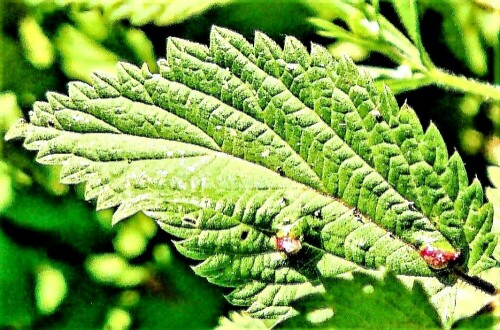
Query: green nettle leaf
x,y
275,166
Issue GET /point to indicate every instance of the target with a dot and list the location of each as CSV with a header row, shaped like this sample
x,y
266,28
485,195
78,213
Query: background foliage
x,y
63,265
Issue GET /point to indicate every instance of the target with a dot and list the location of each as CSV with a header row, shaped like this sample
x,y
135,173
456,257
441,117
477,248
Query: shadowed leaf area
x,y
364,302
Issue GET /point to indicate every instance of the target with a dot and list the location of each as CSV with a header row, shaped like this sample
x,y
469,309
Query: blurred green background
x,y
62,265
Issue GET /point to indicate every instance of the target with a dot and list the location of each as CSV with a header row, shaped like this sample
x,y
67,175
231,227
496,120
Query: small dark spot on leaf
x,y
375,113
189,221
357,214
280,171
244,234
283,202
129,161
318,214
51,123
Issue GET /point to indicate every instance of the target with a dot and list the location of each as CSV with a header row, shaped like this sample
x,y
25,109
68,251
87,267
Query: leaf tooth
x,y
50,152
295,52
43,115
469,202
176,231
218,34
126,209
407,115
165,69
321,57
18,130
37,138
434,150
481,251
347,73
81,91
58,101
244,295
51,159
171,219
130,71
188,47
43,107
132,81
478,223
388,104
191,250
211,266
359,95
105,86
91,192
274,300
454,178
75,172
266,50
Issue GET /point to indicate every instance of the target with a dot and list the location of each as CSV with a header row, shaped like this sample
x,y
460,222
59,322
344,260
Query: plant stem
x,y
463,84
477,282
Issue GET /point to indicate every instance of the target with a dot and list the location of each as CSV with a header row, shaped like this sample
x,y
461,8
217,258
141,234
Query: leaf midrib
x,y
304,107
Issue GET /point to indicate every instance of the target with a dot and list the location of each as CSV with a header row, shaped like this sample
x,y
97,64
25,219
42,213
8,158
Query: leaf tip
x,y
17,131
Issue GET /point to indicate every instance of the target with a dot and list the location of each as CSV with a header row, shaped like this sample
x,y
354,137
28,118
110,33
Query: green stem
x,y
463,84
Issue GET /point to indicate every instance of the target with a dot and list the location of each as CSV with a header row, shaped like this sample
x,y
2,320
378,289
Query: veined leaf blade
x,y
269,164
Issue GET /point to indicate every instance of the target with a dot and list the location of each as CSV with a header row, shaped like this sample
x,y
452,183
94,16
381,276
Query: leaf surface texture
x,y
232,145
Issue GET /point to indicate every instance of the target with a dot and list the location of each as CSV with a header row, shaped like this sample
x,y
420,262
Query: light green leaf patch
x,y
277,167
143,12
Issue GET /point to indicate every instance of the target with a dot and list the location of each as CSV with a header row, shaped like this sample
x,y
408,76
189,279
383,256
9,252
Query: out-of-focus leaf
x,y
23,79
176,299
50,289
143,12
65,218
469,27
17,265
353,50
112,269
37,46
142,47
408,13
81,55
9,112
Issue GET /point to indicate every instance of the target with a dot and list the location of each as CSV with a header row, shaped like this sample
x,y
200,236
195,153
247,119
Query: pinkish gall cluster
x,y
286,242
438,258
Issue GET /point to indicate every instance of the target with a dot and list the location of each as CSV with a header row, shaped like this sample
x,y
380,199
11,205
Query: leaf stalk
x,y
463,84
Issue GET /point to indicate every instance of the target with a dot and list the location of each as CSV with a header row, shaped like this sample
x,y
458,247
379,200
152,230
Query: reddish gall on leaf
x,y
286,242
438,258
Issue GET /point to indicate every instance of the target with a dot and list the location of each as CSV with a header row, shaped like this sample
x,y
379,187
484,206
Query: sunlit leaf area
x,y
230,164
